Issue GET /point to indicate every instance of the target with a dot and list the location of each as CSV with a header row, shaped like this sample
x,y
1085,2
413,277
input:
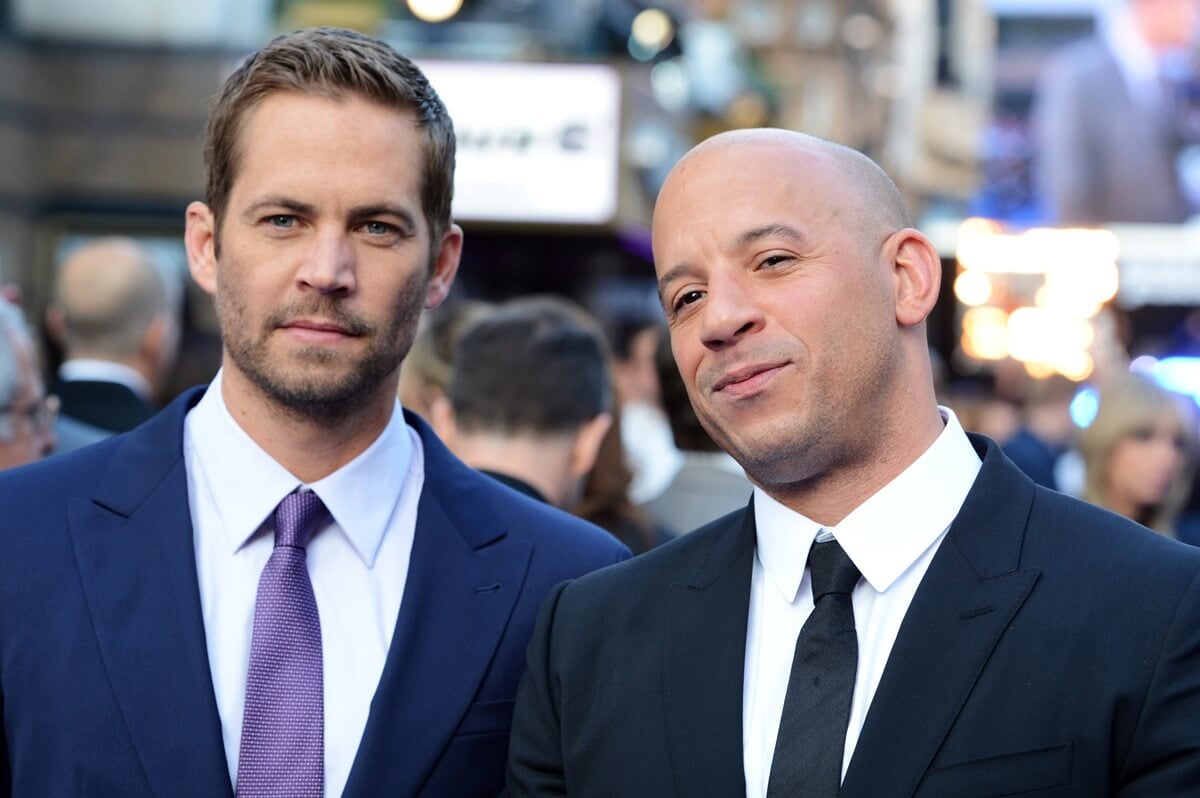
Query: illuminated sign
x,y
536,142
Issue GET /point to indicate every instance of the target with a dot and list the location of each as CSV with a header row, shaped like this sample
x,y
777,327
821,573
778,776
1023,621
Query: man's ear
x,y
445,266
585,448
200,240
916,270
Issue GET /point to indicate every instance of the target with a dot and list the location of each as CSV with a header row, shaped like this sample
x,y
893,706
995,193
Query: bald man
x,y
113,316
899,611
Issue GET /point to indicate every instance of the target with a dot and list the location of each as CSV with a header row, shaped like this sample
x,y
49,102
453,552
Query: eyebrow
x,y
278,201
745,239
770,231
672,274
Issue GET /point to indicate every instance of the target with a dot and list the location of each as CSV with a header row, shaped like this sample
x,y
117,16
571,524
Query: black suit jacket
x,y
107,405
105,688
1052,649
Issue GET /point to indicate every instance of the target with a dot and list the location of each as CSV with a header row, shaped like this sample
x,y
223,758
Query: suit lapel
x,y
704,663
464,578
970,594
134,550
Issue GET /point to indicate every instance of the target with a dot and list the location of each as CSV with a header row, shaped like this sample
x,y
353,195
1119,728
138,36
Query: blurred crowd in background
x,y
1051,148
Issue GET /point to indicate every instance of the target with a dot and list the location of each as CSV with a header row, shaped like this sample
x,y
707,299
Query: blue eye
x,y
283,221
378,228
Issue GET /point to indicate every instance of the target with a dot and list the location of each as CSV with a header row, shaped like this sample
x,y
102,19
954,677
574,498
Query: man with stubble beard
x,y
283,584
899,611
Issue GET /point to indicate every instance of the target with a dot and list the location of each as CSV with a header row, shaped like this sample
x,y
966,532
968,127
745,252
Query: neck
x,y
830,496
540,461
311,449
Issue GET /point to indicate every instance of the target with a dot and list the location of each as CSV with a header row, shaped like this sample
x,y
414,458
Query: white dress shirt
x,y
358,563
891,538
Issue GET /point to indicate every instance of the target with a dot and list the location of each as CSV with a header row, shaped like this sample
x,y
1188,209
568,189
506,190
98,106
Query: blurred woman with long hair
x,y
1140,451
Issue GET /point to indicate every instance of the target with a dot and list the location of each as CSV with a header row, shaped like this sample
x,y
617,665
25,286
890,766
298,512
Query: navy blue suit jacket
x,y
1052,649
104,675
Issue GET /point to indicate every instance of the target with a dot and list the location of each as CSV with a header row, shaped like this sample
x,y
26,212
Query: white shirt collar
x,y
86,368
247,483
888,532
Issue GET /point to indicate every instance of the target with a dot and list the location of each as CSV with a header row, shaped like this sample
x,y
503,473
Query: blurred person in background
x,y
1046,429
633,325
282,584
606,496
113,315
1108,117
27,415
530,398
710,483
1139,452
425,374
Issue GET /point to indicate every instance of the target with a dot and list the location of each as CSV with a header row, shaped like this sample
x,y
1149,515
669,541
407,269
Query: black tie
x,y
816,711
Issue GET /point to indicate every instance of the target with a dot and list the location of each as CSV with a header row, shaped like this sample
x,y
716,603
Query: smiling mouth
x,y
747,381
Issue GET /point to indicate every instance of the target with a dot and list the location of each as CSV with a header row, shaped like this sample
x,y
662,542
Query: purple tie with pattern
x,y
283,726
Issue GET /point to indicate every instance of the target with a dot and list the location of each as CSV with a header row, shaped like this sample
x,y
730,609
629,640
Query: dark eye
x,y
774,260
1143,434
687,298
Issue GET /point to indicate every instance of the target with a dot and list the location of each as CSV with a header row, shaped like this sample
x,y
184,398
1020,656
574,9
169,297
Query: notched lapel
x,y
704,663
461,589
134,551
971,593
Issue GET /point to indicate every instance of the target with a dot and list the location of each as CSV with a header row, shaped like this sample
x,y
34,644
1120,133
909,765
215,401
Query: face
x,y
1145,463
28,421
637,378
324,259
780,310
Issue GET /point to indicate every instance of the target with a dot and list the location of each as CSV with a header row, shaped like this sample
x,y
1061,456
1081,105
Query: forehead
x,y
291,141
718,196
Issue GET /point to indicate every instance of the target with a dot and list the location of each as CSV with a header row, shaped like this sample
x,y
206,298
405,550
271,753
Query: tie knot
x,y
296,518
831,570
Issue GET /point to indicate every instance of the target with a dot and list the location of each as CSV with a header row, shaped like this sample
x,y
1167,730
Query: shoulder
x,y
1069,536
643,581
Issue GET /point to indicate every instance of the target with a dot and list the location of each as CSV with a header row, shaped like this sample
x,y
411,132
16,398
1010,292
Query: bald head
x,y
108,294
849,180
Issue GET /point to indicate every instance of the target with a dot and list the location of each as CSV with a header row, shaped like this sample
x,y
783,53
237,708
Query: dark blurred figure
x,y
530,398
1110,115
113,315
633,325
425,373
1046,429
1139,452
26,413
710,483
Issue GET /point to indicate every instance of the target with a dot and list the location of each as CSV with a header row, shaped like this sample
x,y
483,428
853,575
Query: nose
x,y
330,265
730,312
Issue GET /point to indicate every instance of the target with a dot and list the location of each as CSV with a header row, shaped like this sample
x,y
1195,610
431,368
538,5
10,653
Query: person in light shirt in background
x,y
899,610
1139,452
118,324
1111,145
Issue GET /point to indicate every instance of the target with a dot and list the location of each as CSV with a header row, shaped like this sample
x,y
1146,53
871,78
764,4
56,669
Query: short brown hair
x,y
332,62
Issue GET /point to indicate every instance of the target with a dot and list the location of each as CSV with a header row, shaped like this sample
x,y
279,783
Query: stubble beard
x,y
310,386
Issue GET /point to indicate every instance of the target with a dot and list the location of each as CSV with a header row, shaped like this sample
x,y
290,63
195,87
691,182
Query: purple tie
x,y
283,727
